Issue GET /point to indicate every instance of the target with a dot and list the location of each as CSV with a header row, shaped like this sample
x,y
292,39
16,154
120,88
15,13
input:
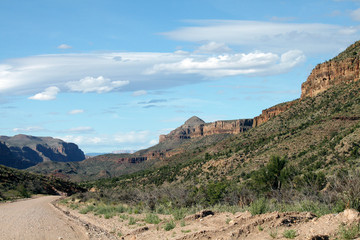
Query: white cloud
x,y
139,93
82,140
29,129
126,140
49,94
258,48
355,15
76,111
99,85
64,46
233,64
154,142
213,48
311,38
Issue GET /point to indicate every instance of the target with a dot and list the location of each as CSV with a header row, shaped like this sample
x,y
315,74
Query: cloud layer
x,y
263,48
311,38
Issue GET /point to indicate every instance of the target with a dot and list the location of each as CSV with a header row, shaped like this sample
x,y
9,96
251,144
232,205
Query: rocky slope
x,y
22,151
342,69
196,127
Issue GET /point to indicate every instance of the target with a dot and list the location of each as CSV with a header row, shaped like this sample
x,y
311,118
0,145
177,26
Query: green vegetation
x,y
350,232
169,225
20,184
291,233
152,219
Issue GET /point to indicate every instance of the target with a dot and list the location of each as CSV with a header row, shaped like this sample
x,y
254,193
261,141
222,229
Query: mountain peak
x,y
194,121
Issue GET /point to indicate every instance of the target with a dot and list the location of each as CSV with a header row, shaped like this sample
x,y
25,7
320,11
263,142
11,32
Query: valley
x,y
289,169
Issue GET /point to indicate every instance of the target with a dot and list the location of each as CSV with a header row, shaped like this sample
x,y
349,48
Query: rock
x,y
196,127
351,215
342,69
23,151
269,113
203,214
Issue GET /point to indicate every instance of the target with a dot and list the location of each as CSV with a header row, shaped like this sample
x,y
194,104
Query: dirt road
x,y
37,219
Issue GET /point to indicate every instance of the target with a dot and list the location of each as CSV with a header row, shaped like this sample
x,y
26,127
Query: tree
x,y
271,176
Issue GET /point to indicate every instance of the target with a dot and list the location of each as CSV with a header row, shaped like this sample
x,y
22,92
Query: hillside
x,y
305,149
19,184
23,151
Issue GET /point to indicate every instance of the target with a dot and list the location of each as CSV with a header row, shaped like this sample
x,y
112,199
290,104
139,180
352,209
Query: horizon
x,y
115,75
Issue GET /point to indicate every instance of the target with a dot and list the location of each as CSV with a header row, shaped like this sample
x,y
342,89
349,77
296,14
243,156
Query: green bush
x,y
132,221
350,232
169,225
259,206
152,218
291,233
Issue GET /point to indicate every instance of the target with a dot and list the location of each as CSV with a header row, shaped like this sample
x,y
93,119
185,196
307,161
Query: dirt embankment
x,y
223,226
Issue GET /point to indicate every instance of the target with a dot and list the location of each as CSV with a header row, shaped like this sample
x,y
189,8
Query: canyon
x,y
196,127
23,151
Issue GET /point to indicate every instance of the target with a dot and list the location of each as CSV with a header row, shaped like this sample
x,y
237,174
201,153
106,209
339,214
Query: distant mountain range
x,y
23,151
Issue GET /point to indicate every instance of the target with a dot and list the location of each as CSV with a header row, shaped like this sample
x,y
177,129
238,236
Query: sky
x,y
113,75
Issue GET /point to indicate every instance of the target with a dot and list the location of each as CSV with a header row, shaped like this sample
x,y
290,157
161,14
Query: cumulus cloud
x,y
49,94
99,85
311,38
64,46
76,111
139,93
213,48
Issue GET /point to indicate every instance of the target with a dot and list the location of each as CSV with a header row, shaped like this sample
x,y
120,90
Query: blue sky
x,y
113,75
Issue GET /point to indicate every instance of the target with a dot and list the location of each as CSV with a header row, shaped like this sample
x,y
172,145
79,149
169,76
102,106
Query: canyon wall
x,y
342,69
272,112
329,74
195,127
23,151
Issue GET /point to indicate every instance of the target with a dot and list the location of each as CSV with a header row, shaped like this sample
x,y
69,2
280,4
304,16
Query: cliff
x,y
342,69
196,127
23,151
272,112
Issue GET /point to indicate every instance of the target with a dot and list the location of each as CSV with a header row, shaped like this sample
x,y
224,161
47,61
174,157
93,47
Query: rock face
x,y
272,112
23,151
196,127
342,69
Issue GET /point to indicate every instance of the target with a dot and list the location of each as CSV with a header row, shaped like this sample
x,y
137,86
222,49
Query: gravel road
x,y
37,219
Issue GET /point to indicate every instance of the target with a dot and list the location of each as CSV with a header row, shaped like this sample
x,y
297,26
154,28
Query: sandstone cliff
x,y
23,151
196,127
272,112
342,69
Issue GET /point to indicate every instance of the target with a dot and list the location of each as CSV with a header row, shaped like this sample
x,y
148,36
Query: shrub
x,y
132,221
169,225
259,206
350,232
291,233
152,219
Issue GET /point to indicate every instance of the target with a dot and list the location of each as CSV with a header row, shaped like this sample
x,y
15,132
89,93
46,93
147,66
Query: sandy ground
x,y
37,219
226,226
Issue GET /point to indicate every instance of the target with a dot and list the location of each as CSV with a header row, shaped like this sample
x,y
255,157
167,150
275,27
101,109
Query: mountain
x,y
23,151
317,135
192,135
